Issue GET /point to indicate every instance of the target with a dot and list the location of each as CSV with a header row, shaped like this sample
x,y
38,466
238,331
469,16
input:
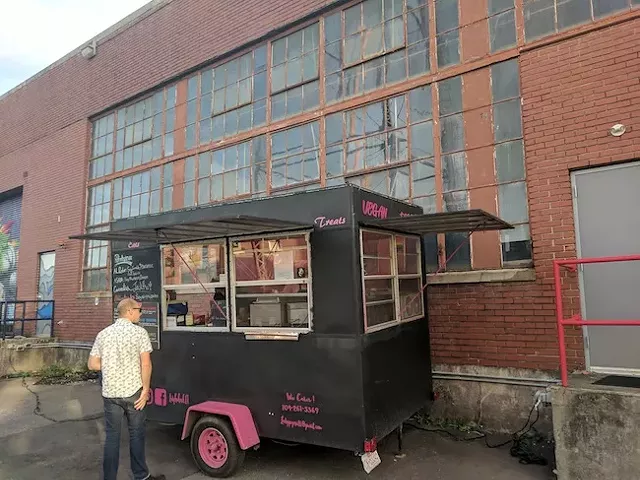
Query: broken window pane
x,y
502,31
507,120
452,133
448,48
512,202
539,18
505,81
510,161
496,6
428,204
418,25
450,95
446,15
454,172
516,244
605,7
573,12
399,183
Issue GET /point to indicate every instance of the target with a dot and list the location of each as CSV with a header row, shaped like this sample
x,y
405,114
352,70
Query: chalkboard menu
x,y
135,273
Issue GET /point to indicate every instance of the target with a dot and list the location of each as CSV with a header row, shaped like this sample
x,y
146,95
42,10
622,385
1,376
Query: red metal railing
x,y
576,320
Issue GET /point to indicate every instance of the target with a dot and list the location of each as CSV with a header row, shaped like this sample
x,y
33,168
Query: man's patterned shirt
x,y
119,347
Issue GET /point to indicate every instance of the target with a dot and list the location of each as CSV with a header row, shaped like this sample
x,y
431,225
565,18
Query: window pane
x,y
418,25
573,12
450,95
516,244
399,183
452,133
505,81
335,165
333,27
410,297
378,290
510,161
423,174
454,172
407,253
512,202
430,246
457,251
605,7
448,45
419,58
539,18
446,15
290,311
496,6
502,31
422,140
420,103
507,120
380,313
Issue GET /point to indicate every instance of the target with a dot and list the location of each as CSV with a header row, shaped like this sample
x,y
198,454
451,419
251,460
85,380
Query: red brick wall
x,y
179,36
53,173
572,92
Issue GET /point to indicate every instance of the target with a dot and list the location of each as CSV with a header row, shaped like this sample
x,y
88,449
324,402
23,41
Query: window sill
x,y
483,276
86,295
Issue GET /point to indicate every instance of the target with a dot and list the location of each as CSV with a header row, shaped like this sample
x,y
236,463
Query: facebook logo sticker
x,y
160,397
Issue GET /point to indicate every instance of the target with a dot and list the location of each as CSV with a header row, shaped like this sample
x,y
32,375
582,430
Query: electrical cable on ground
x,y
522,443
38,411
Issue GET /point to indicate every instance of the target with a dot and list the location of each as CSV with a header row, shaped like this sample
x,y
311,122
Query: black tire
x,y
235,455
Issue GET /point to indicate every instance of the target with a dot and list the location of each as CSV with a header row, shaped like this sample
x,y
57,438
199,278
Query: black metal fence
x,y
36,315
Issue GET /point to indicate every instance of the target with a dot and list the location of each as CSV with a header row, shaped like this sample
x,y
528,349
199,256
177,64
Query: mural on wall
x,y
10,212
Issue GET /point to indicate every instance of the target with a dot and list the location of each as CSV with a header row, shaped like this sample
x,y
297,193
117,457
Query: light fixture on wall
x,y
89,51
617,130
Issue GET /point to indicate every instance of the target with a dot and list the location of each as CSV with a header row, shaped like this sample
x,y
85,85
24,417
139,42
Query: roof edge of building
x,y
127,22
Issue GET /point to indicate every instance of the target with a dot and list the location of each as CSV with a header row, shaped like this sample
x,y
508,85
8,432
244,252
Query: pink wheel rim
x,y
213,447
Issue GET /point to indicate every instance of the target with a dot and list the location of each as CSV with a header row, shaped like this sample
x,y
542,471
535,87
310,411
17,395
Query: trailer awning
x,y
445,222
203,229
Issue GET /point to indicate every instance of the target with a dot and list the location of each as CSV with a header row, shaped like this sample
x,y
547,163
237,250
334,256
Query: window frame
x,y
195,288
395,280
271,331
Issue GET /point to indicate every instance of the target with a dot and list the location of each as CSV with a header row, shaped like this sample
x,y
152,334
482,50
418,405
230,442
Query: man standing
x,y
122,352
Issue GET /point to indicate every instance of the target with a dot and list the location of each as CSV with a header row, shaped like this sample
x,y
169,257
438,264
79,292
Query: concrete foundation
x,y
596,431
498,399
32,354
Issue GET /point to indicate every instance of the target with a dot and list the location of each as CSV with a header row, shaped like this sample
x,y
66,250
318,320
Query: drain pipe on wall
x,y
519,381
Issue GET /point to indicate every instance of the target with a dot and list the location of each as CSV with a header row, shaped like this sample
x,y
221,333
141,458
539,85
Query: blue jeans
x,y
115,409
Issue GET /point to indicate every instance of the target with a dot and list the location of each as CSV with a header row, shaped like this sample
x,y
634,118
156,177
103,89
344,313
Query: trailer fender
x,y
239,415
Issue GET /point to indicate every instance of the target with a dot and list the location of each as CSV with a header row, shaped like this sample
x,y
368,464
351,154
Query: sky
x,y
36,33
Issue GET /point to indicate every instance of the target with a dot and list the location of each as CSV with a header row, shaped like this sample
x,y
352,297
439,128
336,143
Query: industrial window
x,y
294,73
391,278
544,17
95,272
141,130
232,98
231,172
101,162
195,287
137,194
271,283
189,185
167,187
502,24
373,44
455,194
509,163
295,156
447,32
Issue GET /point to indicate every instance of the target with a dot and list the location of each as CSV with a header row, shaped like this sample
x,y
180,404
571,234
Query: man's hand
x,y
142,401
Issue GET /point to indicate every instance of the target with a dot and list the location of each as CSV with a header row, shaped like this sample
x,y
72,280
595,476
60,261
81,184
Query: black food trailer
x,y
300,318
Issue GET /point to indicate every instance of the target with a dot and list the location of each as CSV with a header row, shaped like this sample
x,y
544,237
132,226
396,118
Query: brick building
x,y
453,104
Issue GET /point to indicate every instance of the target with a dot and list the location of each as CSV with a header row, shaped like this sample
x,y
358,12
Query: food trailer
x,y
300,318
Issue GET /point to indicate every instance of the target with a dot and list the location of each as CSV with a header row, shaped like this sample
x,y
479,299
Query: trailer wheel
x,y
215,448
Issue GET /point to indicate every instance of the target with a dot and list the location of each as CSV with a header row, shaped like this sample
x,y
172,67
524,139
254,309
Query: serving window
x,y
391,278
271,283
195,287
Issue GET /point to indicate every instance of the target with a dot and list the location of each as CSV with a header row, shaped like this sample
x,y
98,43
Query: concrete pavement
x,y
32,447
